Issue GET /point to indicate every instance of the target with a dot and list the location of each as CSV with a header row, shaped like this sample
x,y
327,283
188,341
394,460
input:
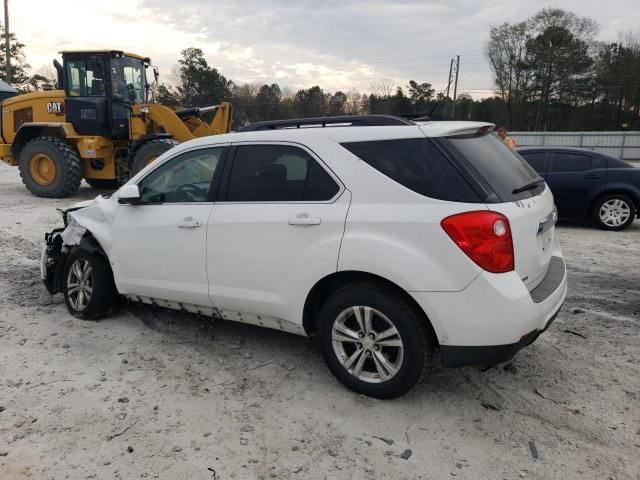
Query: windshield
x,y
128,79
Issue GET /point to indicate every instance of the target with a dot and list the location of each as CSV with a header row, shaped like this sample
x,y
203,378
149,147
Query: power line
x,y
364,62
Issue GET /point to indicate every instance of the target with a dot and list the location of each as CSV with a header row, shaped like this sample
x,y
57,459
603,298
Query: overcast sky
x,y
337,44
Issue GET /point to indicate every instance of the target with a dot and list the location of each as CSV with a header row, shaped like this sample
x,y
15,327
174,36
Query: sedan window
x,y
535,159
185,178
570,162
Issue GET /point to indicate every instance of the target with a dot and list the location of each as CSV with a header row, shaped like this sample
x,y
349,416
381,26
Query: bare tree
x,y
353,106
506,51
383,88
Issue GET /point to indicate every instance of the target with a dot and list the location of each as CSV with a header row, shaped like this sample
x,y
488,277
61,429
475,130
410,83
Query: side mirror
x,y
129,194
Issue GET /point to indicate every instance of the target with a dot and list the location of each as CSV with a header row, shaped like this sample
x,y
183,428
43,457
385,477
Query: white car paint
x,y
495,309
160,252
248,262
273,263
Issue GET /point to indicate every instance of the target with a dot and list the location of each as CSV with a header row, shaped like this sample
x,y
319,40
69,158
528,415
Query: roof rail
x,y
351,120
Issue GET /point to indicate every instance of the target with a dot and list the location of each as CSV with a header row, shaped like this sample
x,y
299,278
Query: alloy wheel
x,y
80,284
367,344
614,212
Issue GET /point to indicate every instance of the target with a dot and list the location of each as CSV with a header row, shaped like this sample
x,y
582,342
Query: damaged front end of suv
x,y
76,232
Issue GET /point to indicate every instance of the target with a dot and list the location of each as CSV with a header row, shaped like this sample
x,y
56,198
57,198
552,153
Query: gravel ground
x,y
157,394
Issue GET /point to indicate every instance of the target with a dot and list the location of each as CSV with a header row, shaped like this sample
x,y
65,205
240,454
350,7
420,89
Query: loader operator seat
x,y
97,88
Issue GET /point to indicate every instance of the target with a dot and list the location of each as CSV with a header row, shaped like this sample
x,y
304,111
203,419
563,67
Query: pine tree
x,y
19,66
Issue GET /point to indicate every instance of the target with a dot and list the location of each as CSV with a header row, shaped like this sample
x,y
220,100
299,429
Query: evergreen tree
x,y
19,67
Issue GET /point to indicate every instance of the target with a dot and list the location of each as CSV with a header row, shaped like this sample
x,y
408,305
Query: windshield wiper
x,y
528,186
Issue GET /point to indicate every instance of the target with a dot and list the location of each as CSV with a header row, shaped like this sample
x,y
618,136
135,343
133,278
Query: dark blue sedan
x,y
588,184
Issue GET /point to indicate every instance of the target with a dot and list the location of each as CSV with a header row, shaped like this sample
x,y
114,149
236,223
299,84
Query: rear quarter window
x,y
417,164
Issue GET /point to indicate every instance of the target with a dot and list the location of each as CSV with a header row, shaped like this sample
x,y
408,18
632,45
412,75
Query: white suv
x,y
387,239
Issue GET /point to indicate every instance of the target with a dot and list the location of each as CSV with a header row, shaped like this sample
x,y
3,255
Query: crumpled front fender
x,y
88,225
95,216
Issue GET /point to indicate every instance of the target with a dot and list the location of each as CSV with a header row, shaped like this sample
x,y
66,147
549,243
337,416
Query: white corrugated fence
x,y
625,145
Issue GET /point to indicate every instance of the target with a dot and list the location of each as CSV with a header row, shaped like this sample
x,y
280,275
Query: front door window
x,y
186,178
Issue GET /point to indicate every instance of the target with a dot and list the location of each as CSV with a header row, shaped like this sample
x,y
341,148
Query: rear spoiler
x,y
473,132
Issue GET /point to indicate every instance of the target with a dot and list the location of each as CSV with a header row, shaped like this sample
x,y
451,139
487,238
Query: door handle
x,y
189,223
304,219
592,176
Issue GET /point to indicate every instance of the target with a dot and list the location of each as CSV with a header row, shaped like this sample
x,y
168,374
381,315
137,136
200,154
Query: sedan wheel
x,y
615,212
367,344
80,284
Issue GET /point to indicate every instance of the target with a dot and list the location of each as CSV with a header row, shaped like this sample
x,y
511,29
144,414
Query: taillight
x,y
484,236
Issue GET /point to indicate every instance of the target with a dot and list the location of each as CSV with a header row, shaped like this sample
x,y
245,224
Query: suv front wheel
x,y
373,340
88,287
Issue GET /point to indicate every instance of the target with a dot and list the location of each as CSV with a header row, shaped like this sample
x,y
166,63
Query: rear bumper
x,y
456,356
495,316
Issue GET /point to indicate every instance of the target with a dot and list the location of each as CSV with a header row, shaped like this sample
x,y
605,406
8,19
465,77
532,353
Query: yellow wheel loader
x,y
99,126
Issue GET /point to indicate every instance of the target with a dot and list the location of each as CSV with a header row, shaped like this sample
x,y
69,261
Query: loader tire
x,y
103,184
151,150
50,168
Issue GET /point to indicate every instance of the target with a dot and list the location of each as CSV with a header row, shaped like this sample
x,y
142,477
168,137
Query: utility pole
x,y
455,88
7,43
449,82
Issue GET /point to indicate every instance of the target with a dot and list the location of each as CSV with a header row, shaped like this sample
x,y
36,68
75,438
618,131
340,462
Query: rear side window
x,y
417,164
570,162
536,160
85,78
278,173
494,165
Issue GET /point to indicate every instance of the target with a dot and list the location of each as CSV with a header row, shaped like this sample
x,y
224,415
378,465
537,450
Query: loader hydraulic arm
x,y
186,124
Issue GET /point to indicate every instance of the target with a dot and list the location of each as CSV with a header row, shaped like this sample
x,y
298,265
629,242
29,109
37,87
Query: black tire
x,y
104,296
416,339
619,206
150,151
102,184
67,174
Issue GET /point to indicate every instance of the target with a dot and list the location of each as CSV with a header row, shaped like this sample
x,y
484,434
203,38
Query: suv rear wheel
x,y
614,212
373,341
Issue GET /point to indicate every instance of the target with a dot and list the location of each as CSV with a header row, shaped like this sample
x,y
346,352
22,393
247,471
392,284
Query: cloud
x,y
339,45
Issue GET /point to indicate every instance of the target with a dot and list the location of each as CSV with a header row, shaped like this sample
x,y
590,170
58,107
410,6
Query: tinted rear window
x,y
417,164
501,169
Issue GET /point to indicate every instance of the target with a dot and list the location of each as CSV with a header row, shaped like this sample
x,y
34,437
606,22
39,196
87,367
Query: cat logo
x,y
55,107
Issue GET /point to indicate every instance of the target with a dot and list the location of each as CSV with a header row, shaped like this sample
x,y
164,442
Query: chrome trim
x,y
547,222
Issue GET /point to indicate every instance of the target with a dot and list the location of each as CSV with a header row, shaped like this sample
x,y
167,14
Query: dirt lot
x,y
155,394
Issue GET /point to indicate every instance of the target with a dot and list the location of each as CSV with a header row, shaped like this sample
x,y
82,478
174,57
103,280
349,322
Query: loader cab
x,y
100,88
